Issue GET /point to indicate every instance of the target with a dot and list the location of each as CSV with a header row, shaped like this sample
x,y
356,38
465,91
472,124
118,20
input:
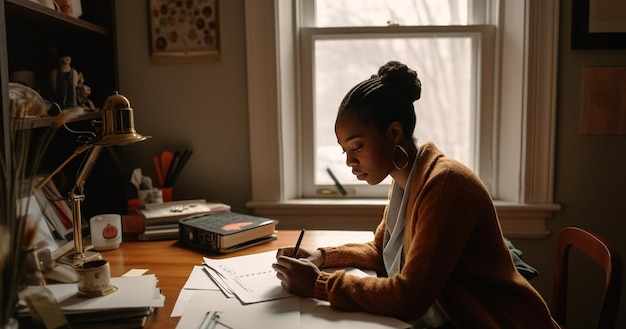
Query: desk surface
x,y
172,263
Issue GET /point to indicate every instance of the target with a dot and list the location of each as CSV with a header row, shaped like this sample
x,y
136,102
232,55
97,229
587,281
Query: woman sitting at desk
x,y
439,252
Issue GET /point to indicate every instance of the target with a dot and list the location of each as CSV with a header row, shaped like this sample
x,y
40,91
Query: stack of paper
x,y
251,281
248,285
129,306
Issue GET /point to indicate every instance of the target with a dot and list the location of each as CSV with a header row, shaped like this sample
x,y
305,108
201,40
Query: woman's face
x,y
368,151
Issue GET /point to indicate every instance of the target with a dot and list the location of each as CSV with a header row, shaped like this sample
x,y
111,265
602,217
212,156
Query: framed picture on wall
x,y
598,24
184,30
604,100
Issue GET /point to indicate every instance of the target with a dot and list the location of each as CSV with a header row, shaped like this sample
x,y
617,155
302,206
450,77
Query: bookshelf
x,y
32,38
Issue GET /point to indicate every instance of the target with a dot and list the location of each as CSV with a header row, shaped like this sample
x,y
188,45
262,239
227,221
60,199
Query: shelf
x,y
47,121
32,38
28,13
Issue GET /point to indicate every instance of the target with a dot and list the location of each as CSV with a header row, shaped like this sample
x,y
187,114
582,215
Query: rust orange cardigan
x,y
454,255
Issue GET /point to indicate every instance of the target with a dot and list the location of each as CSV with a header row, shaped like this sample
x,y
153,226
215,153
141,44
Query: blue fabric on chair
x,y
525,270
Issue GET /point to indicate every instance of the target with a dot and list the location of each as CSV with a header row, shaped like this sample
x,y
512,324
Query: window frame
x,y
524,139
482,36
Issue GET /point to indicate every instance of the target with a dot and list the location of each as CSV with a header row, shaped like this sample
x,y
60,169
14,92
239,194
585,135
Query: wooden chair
x,y
605,255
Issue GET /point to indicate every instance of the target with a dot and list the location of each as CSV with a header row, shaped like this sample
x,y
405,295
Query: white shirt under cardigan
x,y
392,247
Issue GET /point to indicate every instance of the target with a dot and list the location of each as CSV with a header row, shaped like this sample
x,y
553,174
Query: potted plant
x,y
18,166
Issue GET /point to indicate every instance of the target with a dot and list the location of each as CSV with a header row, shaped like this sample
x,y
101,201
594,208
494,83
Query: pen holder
x,y
95,279
167,193
150,196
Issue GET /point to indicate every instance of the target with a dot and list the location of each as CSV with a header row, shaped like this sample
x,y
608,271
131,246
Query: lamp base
x,y
75,259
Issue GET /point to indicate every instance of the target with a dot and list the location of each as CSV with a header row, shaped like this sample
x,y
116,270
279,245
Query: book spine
x,y
51,215
198,238
59,203
160,227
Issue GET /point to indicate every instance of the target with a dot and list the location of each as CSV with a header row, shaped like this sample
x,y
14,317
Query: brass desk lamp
x,y
118,128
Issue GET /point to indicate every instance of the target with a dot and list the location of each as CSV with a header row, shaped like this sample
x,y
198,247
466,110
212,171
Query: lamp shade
x,y
118,123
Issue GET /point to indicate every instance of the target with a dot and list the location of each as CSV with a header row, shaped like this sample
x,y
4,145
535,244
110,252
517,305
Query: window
x,y
343,46
512,150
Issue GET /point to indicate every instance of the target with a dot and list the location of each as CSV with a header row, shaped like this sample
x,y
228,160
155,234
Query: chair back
x,y
601,252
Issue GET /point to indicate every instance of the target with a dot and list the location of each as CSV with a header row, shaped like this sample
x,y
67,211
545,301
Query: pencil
x,y
294,253
340,187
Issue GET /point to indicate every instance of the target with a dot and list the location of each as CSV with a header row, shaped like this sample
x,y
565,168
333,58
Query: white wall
x,y
201,106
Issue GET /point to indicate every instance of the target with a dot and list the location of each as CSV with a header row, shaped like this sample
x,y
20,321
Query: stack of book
x,y
161,219
55,209
225,232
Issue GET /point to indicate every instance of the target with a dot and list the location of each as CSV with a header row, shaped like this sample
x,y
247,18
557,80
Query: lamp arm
x,y
77,152
89,163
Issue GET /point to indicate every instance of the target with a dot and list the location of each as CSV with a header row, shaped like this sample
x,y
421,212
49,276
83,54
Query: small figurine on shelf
x,y
64,80
65,6
82,94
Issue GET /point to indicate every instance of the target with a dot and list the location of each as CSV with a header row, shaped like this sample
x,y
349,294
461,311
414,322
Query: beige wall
x,y
205,106
590,177
200,106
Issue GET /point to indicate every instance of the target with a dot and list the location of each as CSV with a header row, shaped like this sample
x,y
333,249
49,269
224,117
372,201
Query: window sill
x,y
517,220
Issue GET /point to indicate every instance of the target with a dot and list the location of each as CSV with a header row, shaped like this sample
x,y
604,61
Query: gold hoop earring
x,y
393,158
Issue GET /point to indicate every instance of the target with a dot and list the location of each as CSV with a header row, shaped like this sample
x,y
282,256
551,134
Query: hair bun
x,y
400,76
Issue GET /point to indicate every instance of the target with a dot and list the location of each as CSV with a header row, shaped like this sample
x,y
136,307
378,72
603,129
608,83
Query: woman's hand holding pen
x,y
297,275
315,256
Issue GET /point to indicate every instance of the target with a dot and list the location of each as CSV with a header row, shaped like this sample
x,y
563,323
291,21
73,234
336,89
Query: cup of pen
x,y
166,193
95,279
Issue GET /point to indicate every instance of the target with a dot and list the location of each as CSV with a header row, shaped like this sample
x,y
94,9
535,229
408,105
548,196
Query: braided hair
x,y
385,97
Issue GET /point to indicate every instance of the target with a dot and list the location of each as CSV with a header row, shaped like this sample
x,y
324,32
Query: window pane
x,y
445,112
380,12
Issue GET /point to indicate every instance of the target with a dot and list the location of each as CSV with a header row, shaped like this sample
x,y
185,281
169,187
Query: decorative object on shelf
x,y
48,3
184,30
26,103
77,8
18,167
64,80
65,6
83,92
118,128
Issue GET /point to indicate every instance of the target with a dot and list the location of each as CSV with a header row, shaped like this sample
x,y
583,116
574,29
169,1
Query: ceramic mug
x,y
95,276
106,231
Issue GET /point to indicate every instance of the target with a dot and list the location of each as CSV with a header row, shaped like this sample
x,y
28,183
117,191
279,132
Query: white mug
x,y
106,231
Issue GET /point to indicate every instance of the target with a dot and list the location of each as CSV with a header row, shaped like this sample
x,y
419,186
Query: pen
x,y
205,321
214,320
334,178
210,321
295,249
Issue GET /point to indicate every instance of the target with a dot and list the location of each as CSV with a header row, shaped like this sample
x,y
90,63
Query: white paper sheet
x,y
251,277
276,314
286,313
199,280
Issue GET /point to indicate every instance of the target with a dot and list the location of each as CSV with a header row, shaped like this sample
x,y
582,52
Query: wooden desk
x,y
172,263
